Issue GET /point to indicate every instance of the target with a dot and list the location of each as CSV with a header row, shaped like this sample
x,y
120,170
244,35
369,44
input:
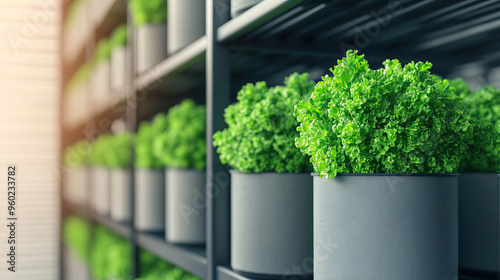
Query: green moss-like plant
x,y
397,119
148,11
77,155
79,78
146,135
119,151
118,37
102,52
262,130
154,268
183,144
110,256
76,236
99,155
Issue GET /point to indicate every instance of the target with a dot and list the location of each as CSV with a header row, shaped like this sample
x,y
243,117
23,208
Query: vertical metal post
x,y
131,119
218,84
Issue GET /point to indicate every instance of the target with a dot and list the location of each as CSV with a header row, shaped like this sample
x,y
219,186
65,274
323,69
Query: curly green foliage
x,y
484,105
146,135
154,268
148,11
99,154
392,120
102,52
119,153
183,144
261,128
110,256
118,37
462,89
77,236
77,155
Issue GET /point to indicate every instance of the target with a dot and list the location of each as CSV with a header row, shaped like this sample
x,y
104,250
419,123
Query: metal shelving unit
x,y
270,41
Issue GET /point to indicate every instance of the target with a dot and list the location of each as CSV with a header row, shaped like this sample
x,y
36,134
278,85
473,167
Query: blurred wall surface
x,y
29,138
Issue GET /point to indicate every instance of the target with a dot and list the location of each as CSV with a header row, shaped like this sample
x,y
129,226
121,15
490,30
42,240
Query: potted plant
x,y
75,173
99,179
186,23
182,149
240,6
271,189
76,96
149,178
100,74
385,144
119,160
76,236
479,184
119,59
150,17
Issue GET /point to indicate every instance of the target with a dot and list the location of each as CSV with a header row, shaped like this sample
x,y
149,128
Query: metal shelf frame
x,y
270,41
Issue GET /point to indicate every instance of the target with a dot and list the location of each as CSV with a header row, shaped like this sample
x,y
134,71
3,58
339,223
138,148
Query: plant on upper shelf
x,y
119,153
77,236
77,155
148,11
397,119
79,78
261,128
102,52
146,135
182,144
118,37
99,154
483,105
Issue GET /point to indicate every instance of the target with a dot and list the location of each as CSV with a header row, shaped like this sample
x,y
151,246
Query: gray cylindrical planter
x,y
121,195
149,200
385,226
186,23
186,203
80,185
271,224
151,45
118,70
100,190
240,6
479,219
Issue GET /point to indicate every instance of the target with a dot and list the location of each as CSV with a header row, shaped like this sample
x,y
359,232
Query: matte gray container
x,y
479,221
151,45
386,227
271,223
240,6
186,23
121,195
149,200
186,204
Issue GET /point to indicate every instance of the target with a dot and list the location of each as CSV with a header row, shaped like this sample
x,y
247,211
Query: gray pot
x,y
121,195
75,185
479,221
185,201
271,224
240,6
149,200
186,23
119,68
151,45
100,190
386,226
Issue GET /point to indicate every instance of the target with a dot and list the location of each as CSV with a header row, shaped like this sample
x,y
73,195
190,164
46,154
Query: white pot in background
x,y
99,188
121,195
149,200
151,45
186,23
119,67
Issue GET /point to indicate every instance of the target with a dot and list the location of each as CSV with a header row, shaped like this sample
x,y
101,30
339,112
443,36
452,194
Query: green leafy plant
x,y
148,11
77,155
99,155
110,256
261,128
484,105
73,10
146,135
119,37
76,236
154,268
182,144
102,52
119,151
392,120
79,78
